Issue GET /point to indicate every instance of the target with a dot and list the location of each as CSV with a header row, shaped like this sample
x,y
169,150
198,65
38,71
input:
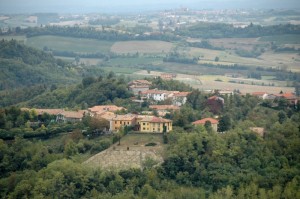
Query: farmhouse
x,y
70,116
122,120
153,124
290,97
158,95
141,123
137,89
168,76
162,110
180,98
138,86
259,94
98,110
214,123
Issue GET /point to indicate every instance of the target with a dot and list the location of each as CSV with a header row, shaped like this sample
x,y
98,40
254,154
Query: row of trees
x,y
221,30
93,33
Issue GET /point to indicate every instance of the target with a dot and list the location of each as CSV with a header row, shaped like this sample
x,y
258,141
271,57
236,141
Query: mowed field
x,y
233,43
142,47
207,82
285,60
70,44
282,39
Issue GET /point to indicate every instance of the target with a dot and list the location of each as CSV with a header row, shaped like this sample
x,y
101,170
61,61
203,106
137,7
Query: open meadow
x,y
70,44
234,43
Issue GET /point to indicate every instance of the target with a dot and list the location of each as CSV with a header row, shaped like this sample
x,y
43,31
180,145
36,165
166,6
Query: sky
x,y
86,6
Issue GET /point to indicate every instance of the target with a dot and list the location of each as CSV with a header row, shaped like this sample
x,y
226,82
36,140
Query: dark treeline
x,y
175,57
105,21
92,33
220,30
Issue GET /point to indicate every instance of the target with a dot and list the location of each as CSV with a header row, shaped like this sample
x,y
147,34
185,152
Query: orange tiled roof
x,y
154,119
181,94
102,108
73,114
123,117
287,95
212,121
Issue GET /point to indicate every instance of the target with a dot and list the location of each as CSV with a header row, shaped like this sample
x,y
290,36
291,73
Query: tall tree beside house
x,y
224,123
208,126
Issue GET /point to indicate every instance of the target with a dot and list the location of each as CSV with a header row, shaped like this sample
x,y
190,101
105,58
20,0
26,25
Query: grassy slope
x,y
69,44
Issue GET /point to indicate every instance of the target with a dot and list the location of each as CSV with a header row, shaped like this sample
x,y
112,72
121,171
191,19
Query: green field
x,y
136,61
18,38
70,44
282,39
120,70
153,46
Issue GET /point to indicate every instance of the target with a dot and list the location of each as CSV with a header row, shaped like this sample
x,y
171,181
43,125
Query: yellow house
x,y
122,120
154,124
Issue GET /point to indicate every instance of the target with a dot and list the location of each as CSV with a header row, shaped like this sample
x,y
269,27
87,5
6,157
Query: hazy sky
x,y
26,6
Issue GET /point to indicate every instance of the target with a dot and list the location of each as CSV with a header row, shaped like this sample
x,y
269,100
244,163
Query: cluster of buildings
x,y
290,97
152,121
142,89
140,123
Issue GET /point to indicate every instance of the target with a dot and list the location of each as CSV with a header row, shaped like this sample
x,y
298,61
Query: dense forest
x,y
199,162
41,158
25,66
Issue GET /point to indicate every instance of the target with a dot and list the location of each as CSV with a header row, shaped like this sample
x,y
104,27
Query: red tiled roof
x,y
212,121
287,95
112,108
181,94
73,114
154,119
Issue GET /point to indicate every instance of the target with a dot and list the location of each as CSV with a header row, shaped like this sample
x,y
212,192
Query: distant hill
x,y
22,66
90,92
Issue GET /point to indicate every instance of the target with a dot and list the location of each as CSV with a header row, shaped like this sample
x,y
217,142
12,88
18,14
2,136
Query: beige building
x,y
120,121
152,124
98,110
214,123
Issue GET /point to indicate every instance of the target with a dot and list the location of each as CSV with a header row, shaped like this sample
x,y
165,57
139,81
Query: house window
x,y
115,122
144,128
144,123
127,122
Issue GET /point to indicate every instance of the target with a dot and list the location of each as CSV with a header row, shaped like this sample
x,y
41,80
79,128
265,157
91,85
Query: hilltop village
x,y
160,104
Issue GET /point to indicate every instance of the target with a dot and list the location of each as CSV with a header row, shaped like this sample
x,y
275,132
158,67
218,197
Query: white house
x,y
158,95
